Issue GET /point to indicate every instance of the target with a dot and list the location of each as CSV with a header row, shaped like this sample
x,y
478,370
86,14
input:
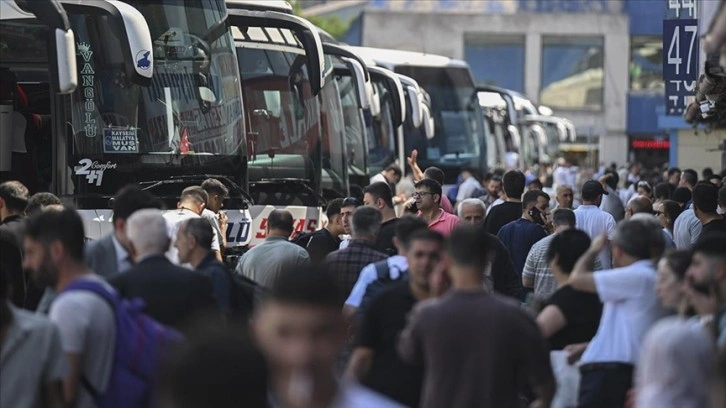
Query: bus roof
x,y
271,5
10,11
389,58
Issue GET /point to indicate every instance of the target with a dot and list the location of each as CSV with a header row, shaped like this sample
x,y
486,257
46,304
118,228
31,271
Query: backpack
x,y
383,280
303,239
141,343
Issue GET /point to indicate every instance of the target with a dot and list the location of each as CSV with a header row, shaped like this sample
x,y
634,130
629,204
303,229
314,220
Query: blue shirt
x,y
519,236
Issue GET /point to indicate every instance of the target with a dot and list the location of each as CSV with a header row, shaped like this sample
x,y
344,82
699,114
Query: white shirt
x,y
467,188
87,326
595,222
123,263
174,219
396,265
630,307
344,241
378,178
686,229
352,395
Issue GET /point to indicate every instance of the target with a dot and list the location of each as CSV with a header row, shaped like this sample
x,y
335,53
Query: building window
x,y
496,60
646,63
572,73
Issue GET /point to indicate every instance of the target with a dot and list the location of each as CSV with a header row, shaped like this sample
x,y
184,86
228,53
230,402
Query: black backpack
x,y
383,280
245,293
303,239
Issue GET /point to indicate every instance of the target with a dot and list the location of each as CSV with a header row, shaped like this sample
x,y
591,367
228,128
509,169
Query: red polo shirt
x,y
444,224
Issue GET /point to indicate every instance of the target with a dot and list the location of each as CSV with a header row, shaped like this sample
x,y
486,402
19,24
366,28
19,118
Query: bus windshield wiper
x,y
191,180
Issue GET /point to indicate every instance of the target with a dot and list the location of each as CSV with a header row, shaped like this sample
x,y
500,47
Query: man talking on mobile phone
x,y
519,235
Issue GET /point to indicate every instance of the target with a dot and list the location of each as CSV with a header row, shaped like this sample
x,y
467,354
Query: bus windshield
x,y
457,117
382,134
333,139
284,115
193,106
353,120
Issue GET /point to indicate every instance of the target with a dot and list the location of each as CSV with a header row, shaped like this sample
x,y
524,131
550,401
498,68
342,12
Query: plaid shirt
x,y
347,263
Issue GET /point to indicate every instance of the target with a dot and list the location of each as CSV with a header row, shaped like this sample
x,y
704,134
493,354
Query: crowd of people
x,y
510,292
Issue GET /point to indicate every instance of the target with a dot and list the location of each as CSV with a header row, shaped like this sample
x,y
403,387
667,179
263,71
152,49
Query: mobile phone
x,y
536,215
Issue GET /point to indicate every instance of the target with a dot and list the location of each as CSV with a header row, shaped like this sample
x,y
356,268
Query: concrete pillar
x,y
532,65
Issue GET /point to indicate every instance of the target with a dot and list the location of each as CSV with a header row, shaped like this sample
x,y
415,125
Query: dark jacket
x,y
320,244
506,280
172,293
221,280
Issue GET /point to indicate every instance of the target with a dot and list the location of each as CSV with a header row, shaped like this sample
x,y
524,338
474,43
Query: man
x,y
172,294
687,228
706,278
191,204
54,256
674,177
375,362
301,332
630,307
493,190
391,175
40,201
537,273
13,200
320,243
468,186
456,339
433,173
194,243
472,211
519,236
266,261
395,267
689,178
109,256
378,195
593,220
347,263
33,364
565,197
638,205
705,205
510,210
217,192
499,273
565,173
346,214
611,202
428,199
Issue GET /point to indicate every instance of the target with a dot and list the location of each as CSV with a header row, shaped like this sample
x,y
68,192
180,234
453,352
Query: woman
x,y
667,212
570,316
670,285
676,367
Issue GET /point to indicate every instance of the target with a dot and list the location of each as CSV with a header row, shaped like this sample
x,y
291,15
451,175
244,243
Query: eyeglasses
x,y
420,194
351,201
656,213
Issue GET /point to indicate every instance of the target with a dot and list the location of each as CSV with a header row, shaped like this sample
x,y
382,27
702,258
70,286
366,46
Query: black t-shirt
x,y
382,322
384,243
715,226
320,244
582,311
502,214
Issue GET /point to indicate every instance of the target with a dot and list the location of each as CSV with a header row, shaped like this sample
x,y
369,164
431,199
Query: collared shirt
x,y
174,219
537,267
596,222
630,307
31,357
467,188
266,261
397,264
123,259
444,223
686,229
346,264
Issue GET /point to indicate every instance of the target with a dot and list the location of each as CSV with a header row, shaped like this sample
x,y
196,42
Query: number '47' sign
x,y
680,63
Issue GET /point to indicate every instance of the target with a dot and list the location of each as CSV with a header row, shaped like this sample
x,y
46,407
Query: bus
x,y
295,144
158,103
460,138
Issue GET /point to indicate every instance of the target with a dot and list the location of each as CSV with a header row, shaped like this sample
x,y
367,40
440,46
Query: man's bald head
x,y
639,205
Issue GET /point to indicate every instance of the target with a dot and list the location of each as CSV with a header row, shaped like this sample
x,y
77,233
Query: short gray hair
x,y
641,236
146,229
366,222
471,201
201,230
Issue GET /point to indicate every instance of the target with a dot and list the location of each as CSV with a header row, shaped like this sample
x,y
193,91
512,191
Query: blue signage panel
x,y
680,63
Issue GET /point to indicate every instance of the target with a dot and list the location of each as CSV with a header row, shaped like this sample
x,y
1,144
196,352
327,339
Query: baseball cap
x,y
592,189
